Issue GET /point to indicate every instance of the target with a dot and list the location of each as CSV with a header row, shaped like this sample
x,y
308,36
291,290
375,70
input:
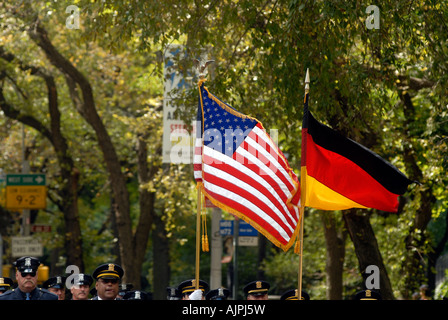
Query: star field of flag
x,y
223,131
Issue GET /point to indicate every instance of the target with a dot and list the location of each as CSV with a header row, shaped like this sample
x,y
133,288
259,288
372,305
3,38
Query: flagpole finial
x,y
307,80
202,67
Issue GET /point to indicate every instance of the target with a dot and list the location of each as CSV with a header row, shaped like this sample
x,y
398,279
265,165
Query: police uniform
x,y
136,295
107,271
29,265
5,284
294,295
188,286
256,288
218,294
368,295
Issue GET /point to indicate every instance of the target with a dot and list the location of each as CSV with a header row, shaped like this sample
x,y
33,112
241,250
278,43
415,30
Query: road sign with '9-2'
x,y
26,191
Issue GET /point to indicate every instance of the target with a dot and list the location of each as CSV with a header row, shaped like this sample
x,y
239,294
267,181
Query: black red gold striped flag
x,y
339,173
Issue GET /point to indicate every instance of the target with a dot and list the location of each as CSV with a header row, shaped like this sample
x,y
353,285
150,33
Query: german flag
x,y
338,173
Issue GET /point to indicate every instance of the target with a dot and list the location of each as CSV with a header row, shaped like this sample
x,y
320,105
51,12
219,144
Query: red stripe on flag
x,y
248,197
262,188
252,216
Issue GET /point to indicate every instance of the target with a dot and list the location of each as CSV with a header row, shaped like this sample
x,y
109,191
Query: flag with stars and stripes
x,y
240,169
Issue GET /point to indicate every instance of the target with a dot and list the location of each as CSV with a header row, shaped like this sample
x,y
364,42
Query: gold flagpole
x,y
302,200
198,237
201,70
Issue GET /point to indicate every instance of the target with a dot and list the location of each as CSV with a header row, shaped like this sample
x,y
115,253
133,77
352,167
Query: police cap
x,y
83,279
172,293
188,286
136,295
256,288
27,264
368,295
6,284
218,294
55,282
294,295
108,271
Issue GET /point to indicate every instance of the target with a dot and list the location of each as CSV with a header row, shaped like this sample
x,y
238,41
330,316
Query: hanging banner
x,y
177,141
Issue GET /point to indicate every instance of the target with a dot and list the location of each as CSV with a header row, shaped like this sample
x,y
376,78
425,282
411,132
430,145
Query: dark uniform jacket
x,y
36,294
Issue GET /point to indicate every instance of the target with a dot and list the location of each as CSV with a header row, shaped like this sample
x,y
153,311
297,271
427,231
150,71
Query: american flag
x,y
241,170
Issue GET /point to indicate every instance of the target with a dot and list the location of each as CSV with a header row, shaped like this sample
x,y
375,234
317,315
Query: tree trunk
x,y
415,242
335,243
146,201
69,175
79,85
366,248
161,259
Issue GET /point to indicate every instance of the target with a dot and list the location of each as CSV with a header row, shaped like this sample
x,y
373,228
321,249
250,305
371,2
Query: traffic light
x,y
6,270
42,274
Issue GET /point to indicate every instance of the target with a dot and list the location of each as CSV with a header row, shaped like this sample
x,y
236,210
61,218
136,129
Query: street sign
x,y
26,246
32,179
41,228
245,230
26,191
248,241
226,227
26,197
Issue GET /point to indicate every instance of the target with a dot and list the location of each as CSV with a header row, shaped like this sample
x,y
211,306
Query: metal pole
x,y
216,251
236,228
25,169
302,206
198,237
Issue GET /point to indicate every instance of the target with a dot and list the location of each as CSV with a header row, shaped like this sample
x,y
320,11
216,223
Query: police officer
x,y
5,284
187,289
56,285
107,278
257,290
81,286
26,275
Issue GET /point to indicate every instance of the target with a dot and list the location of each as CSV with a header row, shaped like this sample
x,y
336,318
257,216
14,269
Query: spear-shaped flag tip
x,y
307,79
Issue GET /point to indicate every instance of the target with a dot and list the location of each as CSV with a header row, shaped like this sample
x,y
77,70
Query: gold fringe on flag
x,y
205,245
